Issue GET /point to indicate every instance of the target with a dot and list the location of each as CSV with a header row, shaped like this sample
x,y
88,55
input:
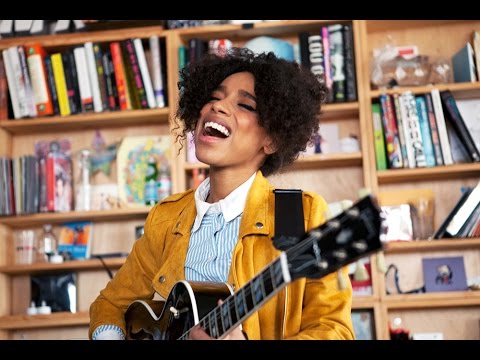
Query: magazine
x,y
75,240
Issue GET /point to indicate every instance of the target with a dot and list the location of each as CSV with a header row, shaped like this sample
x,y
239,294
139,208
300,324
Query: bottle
x,y
83,187
165,182
47,244
151,183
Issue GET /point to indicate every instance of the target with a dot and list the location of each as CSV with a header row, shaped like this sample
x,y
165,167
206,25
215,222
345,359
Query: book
x,y
455,117
470,111
413,135
424,123
85,87
390,132
463,212
380,156
441,127
60,84
93,77
350,73
156,71
337,58
75,239
437,148
463,64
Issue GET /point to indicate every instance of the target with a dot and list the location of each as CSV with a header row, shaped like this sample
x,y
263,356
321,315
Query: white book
x,y
157,71
22,27
32,109
12,86
84,84
470,111
93,75
19,81
142,64
441,127
464,212
413,134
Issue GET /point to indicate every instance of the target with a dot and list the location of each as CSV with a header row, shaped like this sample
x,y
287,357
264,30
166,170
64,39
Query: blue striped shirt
x,y
215,233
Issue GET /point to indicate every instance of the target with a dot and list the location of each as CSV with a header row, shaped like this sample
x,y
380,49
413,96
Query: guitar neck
x,y
239,306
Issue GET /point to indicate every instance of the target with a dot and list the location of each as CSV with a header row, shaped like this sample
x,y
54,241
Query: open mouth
x,y
214,129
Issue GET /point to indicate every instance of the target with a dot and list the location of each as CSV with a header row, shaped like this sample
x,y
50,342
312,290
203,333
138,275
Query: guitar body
x,y
186,304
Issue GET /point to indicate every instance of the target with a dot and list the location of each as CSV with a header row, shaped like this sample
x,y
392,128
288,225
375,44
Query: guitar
x,y
355,233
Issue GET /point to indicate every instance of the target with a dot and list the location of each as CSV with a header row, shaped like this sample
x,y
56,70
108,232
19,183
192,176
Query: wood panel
x,y
454,323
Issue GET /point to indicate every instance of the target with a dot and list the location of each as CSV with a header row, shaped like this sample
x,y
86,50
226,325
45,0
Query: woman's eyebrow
x,y
243,93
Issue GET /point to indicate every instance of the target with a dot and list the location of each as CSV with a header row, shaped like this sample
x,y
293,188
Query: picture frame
x,y
444,274
364,324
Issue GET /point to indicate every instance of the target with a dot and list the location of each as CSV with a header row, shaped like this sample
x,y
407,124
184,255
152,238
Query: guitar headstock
x,y
355,233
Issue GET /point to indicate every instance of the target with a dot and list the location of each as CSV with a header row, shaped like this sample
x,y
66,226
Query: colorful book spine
x,y
120,76
156,72
38,76
392,140
434,130
425,130
380,155
60,84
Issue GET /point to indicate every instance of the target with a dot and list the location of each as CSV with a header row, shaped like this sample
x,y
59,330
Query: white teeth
x,y
218,127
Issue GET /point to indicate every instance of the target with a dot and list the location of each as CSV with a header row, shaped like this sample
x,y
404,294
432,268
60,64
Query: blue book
x,y
423,121
75,239
463,64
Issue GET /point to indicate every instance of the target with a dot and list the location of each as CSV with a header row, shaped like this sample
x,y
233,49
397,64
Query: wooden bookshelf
x,y
54,320
402,247
432,300
76,265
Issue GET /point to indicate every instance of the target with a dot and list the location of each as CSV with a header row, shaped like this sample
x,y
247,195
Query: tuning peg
x,y
381,264
361,273
341,280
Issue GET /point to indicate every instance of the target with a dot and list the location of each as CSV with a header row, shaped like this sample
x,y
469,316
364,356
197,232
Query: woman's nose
x,y
221,106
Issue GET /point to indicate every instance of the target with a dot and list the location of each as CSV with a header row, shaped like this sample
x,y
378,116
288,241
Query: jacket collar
x,y
254,218
259,200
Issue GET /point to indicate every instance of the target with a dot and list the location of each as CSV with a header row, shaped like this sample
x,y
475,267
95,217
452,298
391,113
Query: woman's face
x,y
227,134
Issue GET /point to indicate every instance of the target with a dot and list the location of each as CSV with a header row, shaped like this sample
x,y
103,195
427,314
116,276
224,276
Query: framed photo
x,y
363,324
444,274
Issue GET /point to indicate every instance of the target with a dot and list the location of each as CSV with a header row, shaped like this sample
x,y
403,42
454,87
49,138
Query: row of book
x,y
463,221
330,54
119,75
423,131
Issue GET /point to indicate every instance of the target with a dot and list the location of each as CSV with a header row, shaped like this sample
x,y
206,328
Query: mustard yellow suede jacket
x,y
305,309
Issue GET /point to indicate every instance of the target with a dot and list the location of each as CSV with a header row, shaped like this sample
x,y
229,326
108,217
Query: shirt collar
x,y
230,207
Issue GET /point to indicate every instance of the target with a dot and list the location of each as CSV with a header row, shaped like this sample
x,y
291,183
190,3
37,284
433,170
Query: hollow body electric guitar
x,y
355,233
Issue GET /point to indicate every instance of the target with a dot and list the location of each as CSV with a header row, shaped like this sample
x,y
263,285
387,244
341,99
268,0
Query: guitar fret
x,y
213,323
225,314
240,303
258,293
233,310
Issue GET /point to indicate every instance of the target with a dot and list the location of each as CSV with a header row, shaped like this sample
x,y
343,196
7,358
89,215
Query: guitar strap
x,y
289,221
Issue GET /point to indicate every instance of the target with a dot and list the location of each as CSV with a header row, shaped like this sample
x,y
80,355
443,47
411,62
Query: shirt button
x,y
259,225
161,279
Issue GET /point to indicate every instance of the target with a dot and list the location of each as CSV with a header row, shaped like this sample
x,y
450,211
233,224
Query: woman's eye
x,y
214,98
248,107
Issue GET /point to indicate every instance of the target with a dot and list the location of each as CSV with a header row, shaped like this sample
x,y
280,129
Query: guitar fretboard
x,y
237,307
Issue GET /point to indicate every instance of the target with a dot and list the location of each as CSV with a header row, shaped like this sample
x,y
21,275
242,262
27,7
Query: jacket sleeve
x,y
326,310
133,280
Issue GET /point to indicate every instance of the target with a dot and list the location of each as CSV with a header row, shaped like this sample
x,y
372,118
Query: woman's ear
x,y
269,147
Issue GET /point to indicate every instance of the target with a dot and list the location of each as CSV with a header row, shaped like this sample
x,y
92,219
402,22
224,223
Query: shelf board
x,y
308,161
400,247
22,221
54,320
67,40
364,302
389,25
237,31
460,88
432,300
86,120
75,265
339,111
428,174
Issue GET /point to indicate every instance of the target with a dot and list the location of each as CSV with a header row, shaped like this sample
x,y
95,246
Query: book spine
x,y
416,152
327,65
102,84
434,130
110,80
119,75
392,140
70,80
144,73
158,88
401,129
11,82
134,78
85,88
425,131
380,156
451,110
93,75
351,76
337,58
442,127
38,76
32,109
19,81
304,51
315,59
60,84
51,84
